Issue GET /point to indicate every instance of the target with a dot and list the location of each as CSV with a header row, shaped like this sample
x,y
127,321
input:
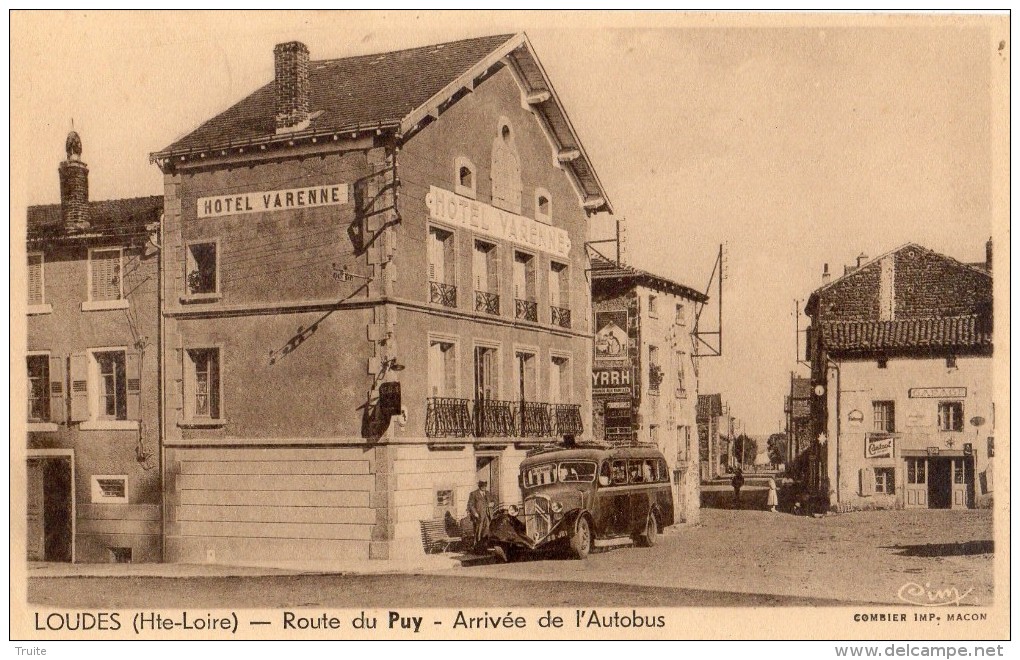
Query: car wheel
x,y
580,542
648,538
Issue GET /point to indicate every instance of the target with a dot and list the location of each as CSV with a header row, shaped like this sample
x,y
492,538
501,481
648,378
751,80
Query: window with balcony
x,y
492,417
525,297
950,415
485,265
883,416
202,270
446,414
442,262
559,294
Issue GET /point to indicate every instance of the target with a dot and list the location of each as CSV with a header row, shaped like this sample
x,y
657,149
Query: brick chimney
x,y
825,274
74,187
291,86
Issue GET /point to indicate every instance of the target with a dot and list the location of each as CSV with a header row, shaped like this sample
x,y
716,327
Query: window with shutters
x,y
39,388
202,384
202,270
442,262
885,481
105,275
105,388
36,282
442,367
111,385
884,416
464,179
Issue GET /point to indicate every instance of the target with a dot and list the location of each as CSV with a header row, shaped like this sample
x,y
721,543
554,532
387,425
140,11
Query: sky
x,y
793,141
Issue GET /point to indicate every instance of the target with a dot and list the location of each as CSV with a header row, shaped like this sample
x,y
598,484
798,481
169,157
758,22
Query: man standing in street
x,y
738,483
480,509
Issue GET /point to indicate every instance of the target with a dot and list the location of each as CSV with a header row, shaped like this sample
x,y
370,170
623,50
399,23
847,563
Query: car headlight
x,y
513,510
556,507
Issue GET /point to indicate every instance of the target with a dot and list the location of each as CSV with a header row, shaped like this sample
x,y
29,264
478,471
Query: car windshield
x,y
566,471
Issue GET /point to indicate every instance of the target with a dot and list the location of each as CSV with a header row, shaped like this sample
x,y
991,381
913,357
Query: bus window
x,y
634,468
604,478
619,472
663,471
649,472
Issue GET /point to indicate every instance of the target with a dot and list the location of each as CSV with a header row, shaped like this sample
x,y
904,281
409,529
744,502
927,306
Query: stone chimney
x,y
291,86
74,187
861,258
825,274
988,254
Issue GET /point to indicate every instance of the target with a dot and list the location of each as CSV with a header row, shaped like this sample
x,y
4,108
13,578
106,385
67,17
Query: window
x,y
959,472
202,269
681,319
486,277
527,376
486,373
36,280
559,294
883,363
951,362
653,306
885,480
543,206
202,384
446,502
917,469
441,275
681,386
111,391
105,275
619,472
38,388
464,180
654,370
559,380
109,488
950,415
884,416
106,388
525,296
442,368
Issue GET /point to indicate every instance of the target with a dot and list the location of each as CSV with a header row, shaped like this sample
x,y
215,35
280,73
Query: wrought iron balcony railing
x,y
560,316
487,302
495,419
443,294
526,309
448,417
533,419
566,418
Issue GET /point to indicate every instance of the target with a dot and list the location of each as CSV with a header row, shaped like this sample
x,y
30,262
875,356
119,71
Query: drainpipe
x,y
161,408
834,365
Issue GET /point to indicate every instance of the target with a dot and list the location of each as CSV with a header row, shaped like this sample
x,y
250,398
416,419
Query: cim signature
x,y
916,594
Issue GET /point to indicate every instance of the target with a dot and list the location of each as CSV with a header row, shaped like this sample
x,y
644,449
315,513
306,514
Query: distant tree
x,y
745,448
777,448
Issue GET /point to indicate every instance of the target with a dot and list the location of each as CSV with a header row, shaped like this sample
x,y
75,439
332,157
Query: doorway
x,y
487,469
940,480
50,509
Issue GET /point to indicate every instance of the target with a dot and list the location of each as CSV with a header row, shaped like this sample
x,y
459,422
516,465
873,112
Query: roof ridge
x,y
505,37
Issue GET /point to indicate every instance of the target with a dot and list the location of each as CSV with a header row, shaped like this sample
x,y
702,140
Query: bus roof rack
x,y
559,446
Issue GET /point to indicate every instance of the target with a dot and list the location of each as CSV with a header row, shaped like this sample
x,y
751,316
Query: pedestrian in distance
x,y
480,509
773,499
738,483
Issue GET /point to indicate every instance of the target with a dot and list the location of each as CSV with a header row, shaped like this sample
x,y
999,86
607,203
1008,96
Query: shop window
x,y
36,280
885,481
917,469
950,415
202,391
884,416
202,269
109,489
38,388
465,180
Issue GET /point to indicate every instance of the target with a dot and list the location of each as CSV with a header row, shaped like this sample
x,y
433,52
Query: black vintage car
x,y
584,497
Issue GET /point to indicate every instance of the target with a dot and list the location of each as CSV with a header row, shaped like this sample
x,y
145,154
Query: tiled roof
x,y
366,90
709,405
604,269
113,217
946,332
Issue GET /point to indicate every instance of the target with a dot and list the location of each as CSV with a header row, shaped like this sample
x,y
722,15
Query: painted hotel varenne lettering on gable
x,y
333,194
454,209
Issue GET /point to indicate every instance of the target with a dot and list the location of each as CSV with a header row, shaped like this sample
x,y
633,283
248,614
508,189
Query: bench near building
x,y
92,335
375,296
901,372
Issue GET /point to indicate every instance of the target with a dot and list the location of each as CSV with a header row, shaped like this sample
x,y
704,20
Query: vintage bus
x,y
586,496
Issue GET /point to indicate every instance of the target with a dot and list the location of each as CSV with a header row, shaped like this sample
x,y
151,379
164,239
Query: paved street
x,y
735,557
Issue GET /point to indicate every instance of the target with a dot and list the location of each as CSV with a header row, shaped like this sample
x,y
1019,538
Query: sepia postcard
x,y
353,325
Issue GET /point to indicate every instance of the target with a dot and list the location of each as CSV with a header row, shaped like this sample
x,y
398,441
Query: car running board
x,y
609,543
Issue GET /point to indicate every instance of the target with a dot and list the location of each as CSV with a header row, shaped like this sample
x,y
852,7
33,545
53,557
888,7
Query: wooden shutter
x,y
867,482
58,402
79,387
106,275
35,279
133,369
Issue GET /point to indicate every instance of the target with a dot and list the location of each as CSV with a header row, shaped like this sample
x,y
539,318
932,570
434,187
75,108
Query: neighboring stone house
x,y
92,337
798,427
645,376
712,436
376,295
901,369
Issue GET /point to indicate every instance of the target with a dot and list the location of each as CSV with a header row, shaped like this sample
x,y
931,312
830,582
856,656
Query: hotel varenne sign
x,y
333,194
454,209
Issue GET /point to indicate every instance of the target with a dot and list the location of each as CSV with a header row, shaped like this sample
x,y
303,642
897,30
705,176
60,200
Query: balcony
x,y
526,310
560,316
447,417
487,302
443,294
